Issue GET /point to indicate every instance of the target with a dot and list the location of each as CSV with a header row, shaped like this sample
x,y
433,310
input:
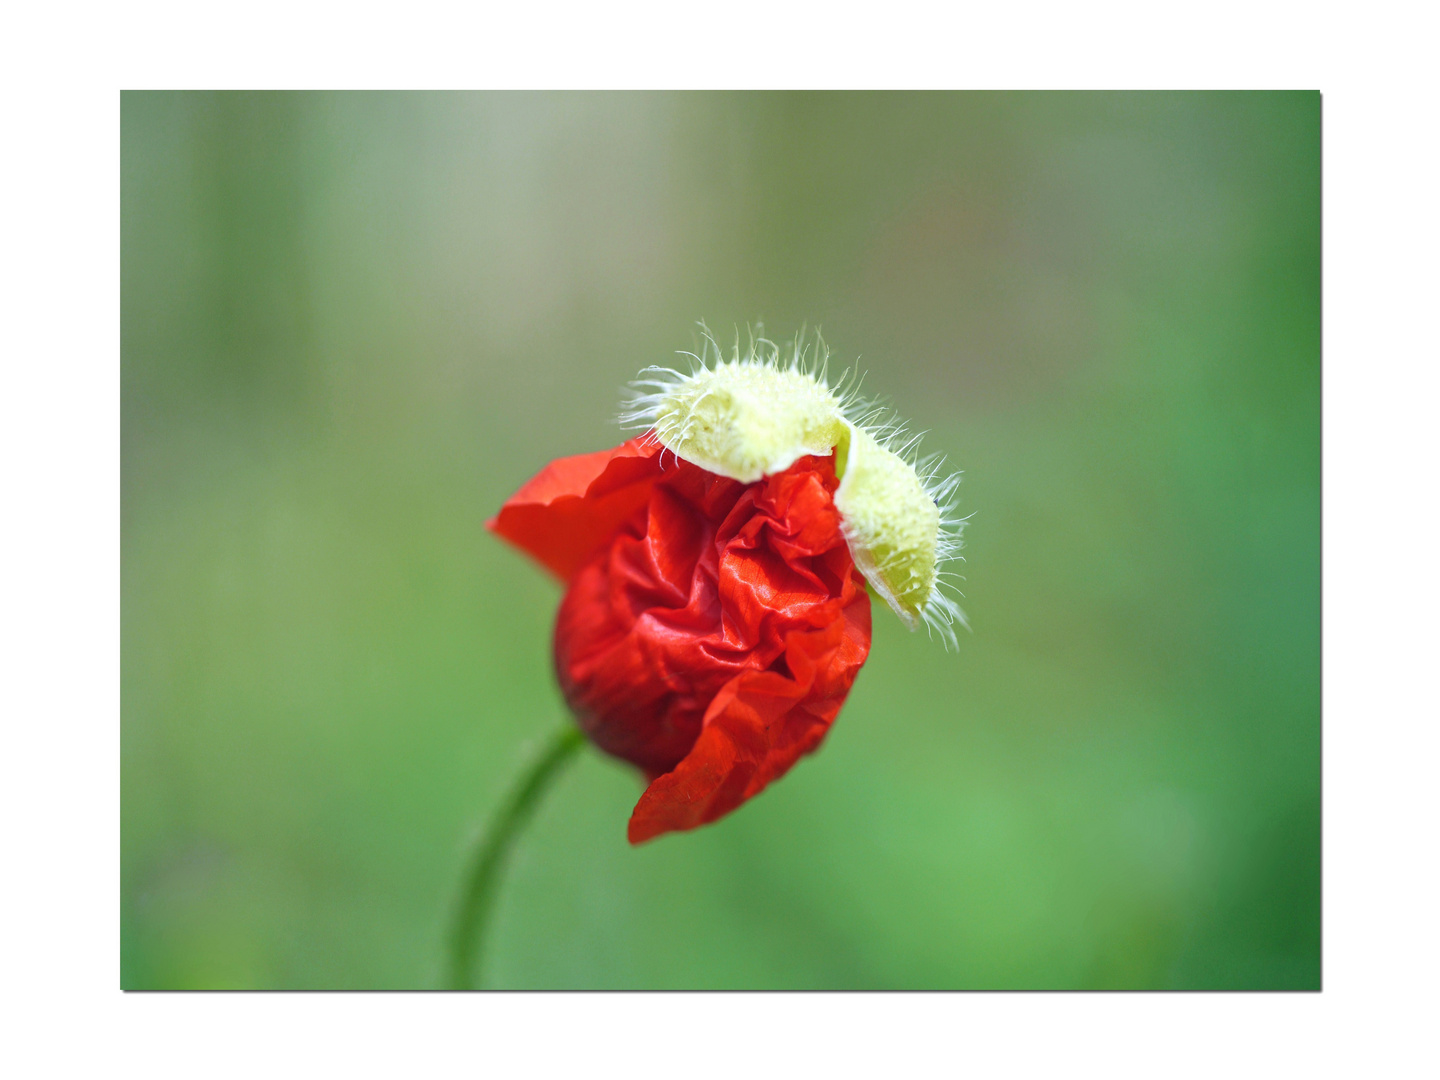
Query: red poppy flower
x,y
710,630
715,614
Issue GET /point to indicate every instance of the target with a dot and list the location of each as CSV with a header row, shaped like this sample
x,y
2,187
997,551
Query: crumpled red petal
x,y
712,635
758,726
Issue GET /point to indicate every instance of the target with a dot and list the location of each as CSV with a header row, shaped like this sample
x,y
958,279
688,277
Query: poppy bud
x,y
716,615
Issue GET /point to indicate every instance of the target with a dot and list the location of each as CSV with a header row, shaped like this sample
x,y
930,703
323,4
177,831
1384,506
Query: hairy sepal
x,y
752,416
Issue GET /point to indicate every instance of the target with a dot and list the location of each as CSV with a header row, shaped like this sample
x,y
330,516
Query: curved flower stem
x,y
483,878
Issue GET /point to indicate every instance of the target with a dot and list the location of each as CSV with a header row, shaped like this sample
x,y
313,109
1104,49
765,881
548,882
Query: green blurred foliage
x,y
352,324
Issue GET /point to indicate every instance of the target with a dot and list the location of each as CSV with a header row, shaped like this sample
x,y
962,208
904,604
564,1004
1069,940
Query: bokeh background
x,y
352,324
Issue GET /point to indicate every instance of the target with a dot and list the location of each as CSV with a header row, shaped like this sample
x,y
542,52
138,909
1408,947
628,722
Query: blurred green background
x,y
352,324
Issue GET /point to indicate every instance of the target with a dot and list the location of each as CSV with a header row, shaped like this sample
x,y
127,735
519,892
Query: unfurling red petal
x,y
575,505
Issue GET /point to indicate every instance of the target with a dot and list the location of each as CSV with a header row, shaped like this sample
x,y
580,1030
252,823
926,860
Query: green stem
x,y
488,861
